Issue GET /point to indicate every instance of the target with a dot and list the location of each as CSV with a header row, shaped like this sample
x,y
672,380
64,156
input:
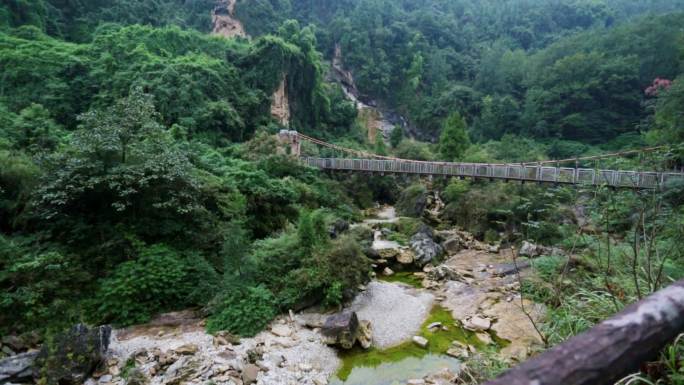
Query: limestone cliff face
x,y
225,23
280,105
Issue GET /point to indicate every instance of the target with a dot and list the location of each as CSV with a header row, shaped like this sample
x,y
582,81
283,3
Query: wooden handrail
x,y
610,350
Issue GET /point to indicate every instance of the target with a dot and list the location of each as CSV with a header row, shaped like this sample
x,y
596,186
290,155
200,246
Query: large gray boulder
x,y
345,330
70,358
17,368
424,246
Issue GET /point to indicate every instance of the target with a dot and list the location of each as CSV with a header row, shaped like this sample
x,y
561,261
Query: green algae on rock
x,y
439,341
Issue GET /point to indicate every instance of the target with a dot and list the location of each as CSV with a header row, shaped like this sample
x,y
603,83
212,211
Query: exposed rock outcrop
x,y
280,104
224,20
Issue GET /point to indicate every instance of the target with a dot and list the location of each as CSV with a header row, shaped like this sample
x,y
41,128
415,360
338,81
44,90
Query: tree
x,y
396,136
453,141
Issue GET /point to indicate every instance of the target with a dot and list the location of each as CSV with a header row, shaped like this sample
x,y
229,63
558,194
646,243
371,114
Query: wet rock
x,y
420,341
250,374
73,356
435,325
18,368
341,329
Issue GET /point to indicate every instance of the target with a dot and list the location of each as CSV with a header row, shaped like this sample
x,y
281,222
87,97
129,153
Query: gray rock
x,y
529,249
452,246
505,269
250,374
72,356
18,368
341,329
425,247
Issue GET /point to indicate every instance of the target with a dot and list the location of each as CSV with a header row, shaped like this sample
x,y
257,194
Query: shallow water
x,y
398,373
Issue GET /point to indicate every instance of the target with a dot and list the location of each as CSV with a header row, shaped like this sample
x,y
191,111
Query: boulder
x,y
345,329
341,329
18,368
424,246
72,356
387,272
250,374
420,341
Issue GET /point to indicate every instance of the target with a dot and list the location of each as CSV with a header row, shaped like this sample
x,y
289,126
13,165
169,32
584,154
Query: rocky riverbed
x,y
470,300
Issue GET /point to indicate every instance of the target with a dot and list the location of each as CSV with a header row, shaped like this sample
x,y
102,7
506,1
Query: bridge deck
x,y
532,173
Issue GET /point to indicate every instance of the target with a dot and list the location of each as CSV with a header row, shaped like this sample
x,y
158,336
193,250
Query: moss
x,y
439,341
406,277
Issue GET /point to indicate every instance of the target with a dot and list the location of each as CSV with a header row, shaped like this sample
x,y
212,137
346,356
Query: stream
x,y
397,360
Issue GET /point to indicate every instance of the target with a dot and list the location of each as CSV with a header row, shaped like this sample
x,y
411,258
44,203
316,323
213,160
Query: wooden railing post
x,y
611,350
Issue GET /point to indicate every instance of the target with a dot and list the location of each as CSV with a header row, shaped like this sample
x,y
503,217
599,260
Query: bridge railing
x,y
563,175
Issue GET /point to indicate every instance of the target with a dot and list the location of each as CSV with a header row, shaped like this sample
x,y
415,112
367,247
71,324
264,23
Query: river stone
x,y
387,272
250,374
18,368
529,249
420,341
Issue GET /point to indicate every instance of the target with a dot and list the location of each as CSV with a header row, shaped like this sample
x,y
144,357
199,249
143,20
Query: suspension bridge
x,y
540,172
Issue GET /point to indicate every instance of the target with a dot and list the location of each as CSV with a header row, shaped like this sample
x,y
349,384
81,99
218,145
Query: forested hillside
x,y
140,171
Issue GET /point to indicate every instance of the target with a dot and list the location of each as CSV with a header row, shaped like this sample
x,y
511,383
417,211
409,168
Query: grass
x,y
439,342
406,277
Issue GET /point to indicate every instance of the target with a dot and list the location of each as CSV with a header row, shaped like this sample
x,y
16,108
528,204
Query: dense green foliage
x,y
140,171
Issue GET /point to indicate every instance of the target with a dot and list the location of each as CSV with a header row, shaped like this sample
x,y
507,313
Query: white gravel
x,y
301,359
396,311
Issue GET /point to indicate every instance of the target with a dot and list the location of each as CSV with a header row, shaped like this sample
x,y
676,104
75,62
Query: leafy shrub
x,y
242,310
159,279
412,201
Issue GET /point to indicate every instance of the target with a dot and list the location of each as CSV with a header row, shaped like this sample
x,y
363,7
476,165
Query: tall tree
x,y
453,141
